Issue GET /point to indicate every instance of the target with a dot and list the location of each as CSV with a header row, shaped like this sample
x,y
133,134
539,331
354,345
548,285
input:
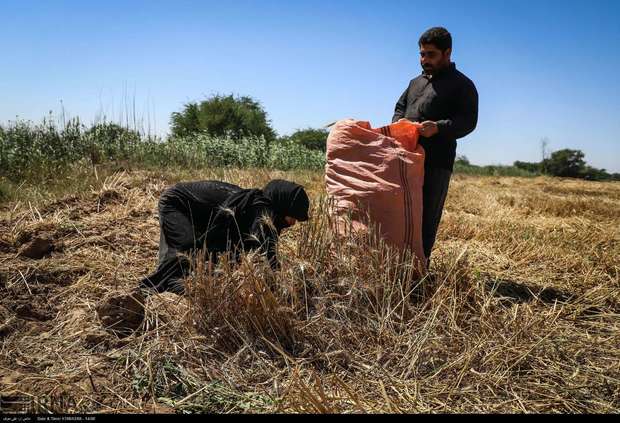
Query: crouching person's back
x,y
221,217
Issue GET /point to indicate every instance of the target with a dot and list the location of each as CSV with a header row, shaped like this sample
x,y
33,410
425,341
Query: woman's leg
x,y
177,235
177,232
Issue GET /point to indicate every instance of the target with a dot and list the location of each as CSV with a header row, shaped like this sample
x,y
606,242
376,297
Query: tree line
x,y
223,130
239,117
568,163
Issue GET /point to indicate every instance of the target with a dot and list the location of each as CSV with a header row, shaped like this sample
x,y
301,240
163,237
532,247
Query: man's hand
x,y
429,128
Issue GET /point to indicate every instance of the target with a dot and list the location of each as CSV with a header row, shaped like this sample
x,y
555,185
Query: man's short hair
x,y
438,36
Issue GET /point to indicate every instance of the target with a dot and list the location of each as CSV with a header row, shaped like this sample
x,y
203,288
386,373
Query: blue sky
x,y
542,68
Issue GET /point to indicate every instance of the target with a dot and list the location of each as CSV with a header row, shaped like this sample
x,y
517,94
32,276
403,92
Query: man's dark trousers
x,y
435,190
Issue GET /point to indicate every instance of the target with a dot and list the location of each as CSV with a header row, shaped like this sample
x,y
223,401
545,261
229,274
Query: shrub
x,y
313,139
223,116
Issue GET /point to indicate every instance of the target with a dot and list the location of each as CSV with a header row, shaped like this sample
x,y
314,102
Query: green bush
x,y
39,151
4,191
313,139
203,150
528,166
223,116
491,170
110,141
566,162
27,149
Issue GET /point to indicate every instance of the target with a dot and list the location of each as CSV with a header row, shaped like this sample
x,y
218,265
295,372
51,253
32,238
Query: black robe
x,y
220,217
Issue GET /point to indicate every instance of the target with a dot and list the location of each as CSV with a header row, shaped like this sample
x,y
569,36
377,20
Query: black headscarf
x,y
288,199
239,224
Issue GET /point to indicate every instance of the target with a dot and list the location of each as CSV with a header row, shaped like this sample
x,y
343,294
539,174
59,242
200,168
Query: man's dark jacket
x,y
448,98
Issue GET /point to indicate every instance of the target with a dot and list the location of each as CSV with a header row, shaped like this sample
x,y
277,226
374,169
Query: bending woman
x,y
221,217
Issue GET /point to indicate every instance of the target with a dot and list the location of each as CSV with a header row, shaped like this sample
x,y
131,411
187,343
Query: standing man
x,y
445,102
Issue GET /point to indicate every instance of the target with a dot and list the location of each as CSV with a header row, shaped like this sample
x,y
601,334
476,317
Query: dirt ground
x,y
532,240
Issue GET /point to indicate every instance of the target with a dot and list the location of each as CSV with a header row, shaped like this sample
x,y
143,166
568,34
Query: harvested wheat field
x,y
521,312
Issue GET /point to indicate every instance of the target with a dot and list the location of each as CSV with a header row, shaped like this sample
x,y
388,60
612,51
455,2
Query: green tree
x,y
595,174
528,166
186,122
223,116
567,163
313,139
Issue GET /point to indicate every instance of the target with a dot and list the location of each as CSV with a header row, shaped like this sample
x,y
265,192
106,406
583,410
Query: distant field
x,y
521,313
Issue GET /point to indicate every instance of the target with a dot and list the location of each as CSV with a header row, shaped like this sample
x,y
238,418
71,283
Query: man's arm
x,y
465,118
401,106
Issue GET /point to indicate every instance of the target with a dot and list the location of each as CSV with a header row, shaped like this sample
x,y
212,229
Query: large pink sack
x,y
371,174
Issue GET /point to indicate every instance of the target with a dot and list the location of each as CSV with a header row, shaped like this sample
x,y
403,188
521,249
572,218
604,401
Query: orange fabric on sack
x,y
404,131
370,172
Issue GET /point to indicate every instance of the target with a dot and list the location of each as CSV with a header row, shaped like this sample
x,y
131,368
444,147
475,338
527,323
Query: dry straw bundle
x,y
519,314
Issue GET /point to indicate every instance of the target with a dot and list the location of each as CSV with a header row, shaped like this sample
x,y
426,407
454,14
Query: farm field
x,y
521,311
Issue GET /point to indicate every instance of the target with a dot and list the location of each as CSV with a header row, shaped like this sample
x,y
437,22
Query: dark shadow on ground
x,y
514,292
